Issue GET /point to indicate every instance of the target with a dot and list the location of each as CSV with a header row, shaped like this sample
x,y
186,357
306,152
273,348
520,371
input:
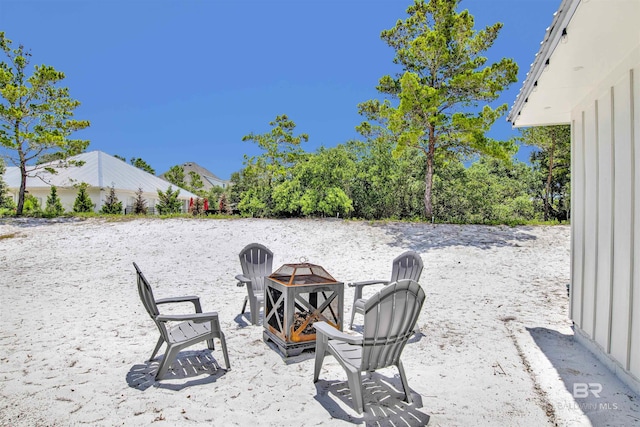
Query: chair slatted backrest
x,y
149,302
257,263
389,321
407,266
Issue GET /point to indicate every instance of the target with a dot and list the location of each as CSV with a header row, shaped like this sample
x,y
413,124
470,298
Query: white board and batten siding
x,y
605,291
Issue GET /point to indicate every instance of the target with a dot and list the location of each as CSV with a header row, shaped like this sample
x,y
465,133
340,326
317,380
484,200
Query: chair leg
x,y
353,314
155,350
210,344
169,358
244,305
223,344
255,310
355,385
405,384
321,351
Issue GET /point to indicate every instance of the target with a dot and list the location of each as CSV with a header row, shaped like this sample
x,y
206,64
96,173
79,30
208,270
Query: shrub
x,y
168,202
83,202
54,204
112,205
140,205
31,206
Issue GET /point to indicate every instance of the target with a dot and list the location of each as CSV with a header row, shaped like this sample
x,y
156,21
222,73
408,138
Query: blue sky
x,y
173,81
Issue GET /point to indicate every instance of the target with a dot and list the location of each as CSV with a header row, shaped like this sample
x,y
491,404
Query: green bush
x,y
83,202
54,204
112,205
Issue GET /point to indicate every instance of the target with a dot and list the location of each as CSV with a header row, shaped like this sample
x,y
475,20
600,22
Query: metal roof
x,y
209,179
100,170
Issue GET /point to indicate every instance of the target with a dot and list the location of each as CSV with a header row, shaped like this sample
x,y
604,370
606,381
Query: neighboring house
x,y
209,180
587,73
101,171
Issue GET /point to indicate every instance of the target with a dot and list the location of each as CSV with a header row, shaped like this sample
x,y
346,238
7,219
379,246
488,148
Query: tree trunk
x,y
549,179
428,178
23,187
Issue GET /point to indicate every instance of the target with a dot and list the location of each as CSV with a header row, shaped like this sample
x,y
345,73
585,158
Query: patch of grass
x,y
9,236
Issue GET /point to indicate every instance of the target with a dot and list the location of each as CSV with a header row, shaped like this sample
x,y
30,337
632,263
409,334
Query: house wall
x,y
605,285
68,197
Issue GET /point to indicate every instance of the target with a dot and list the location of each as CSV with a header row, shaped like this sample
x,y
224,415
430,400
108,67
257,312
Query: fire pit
x,y
296,296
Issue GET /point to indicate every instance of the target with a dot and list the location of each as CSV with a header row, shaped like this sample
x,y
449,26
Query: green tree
x,y
6,202
168,202
444,79
50,157
83,202
120,157
141,164
317,185
175,175
112,205
54,204
214,194
262,173
196,182
140,204
32,205
553,162
386,186
489,191
36,116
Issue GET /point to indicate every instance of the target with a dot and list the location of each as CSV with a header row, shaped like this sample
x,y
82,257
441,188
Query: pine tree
x,y
140,205
36,115
112,205
446,89
83,202
168,202
54,204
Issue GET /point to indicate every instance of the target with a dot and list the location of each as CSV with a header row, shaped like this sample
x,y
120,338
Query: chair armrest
x,y
332,333
197,317
242,280
368,282
195,300
188,298
357,294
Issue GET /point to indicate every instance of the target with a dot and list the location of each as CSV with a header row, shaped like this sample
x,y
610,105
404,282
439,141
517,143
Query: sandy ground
x,y
495,345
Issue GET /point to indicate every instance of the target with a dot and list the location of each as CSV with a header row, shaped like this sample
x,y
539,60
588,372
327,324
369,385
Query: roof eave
x,y
552,37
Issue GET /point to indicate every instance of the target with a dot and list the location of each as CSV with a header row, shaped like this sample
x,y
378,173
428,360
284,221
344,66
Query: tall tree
x,y
444,81
36,116
281,151
553,161
196,182
141,164
175,175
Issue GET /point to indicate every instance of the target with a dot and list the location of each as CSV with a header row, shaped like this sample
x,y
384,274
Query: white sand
x,y
496,345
